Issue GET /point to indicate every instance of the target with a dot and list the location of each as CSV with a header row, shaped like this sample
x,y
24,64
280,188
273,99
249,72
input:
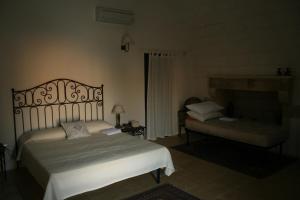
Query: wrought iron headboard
x,y
53,102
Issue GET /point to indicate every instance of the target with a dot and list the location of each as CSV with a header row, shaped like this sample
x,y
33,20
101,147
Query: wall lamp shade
x,y
118,109
126,41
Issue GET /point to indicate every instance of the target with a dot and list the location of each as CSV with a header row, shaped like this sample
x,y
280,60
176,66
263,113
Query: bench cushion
x,y
245,131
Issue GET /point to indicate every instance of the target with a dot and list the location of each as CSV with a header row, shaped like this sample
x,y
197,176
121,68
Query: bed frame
x,y
188,132
60,100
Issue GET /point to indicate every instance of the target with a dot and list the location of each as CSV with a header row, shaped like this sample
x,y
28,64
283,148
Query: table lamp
x,y
118,109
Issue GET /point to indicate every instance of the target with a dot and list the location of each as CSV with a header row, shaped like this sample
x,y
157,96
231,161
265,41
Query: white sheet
x,y
85,164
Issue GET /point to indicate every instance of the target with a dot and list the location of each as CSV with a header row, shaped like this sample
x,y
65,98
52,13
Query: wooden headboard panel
x,y
60,100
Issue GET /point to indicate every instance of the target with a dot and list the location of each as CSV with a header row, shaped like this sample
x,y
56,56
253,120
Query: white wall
x,y
44,40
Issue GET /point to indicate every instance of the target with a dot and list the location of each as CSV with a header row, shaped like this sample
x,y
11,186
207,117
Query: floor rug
x,y
163,192
254,162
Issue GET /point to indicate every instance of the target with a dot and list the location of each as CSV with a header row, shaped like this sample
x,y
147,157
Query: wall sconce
x,y
118,109
126,41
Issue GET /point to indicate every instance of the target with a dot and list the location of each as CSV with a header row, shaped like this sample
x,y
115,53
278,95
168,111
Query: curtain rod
x,y
167,51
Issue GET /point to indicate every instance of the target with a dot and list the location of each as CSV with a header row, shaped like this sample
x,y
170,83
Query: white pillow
x,y
204,117
97,126
205,107
40,135
75,129
43,134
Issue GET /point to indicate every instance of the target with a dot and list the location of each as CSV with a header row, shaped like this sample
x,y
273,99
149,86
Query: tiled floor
x,y
198,177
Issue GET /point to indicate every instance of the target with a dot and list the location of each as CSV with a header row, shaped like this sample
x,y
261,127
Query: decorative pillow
x,y
204,117
75,129
205,107
97,126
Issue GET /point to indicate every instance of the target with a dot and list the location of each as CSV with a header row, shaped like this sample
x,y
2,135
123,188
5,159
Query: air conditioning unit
x,y
114,16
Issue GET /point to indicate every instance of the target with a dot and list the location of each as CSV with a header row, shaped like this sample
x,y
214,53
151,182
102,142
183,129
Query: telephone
x,y
130,125
134,124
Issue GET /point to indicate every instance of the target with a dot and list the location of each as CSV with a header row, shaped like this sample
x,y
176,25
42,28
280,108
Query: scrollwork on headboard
x,y
53,102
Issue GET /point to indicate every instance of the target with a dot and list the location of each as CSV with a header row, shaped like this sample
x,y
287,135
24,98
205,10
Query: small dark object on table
x,y
140,130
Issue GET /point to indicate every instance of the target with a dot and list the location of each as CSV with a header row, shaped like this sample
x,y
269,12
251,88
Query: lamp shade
x,y
117,109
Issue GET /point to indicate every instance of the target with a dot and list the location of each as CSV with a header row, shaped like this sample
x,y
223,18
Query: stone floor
x,y
198,177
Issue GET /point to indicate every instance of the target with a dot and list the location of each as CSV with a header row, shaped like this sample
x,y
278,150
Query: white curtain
x,y
160,96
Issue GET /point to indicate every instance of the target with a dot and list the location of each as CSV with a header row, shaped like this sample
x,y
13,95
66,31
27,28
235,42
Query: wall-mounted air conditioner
x,y
115,16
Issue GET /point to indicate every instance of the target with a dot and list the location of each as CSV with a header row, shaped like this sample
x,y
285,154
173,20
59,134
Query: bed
x,y
67,167
246,131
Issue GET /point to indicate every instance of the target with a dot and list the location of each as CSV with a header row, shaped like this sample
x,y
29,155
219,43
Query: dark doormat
x,y
163,192
258,163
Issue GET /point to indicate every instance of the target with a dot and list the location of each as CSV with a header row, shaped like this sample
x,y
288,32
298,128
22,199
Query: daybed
x,y
241,130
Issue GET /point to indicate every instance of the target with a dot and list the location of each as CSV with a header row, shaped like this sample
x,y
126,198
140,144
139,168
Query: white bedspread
x,y
85,164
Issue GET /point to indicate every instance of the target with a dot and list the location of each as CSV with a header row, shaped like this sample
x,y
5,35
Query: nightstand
x,y
134,131
181,119
2,160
